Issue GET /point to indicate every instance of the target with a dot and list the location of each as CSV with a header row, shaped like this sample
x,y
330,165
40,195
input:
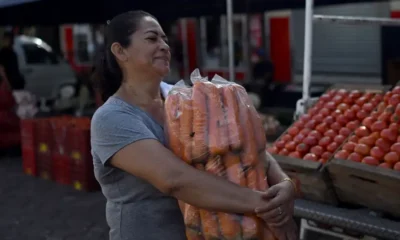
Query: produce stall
x,y
343,150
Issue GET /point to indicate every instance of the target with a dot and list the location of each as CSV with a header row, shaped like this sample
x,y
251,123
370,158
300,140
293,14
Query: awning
x,y
9,3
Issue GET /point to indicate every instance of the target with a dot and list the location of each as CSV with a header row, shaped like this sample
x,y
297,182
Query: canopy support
x,y
229,14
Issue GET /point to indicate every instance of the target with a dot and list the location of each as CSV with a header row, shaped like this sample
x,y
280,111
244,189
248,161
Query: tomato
x,y
319,117
381,107
383,144
389,134
306,117
287,137
299,138
293,131
394,99
362,131
378,97
345,131
326,155
368,121
336,113
350,114
369,95
329,120
375,135
316,134
361,101
295,155
368,107
317,150
339,139
384,117
280,144
305,131
342,120
348,100
299,124
310,141
273,150
337,99
398,139
386,165
332,147
311,124
391,157
397,166
369,141
353,139
375,115
395,118
336,126
325,97
322,127
349,146
390,109
362,149
377,153
284,152
395,148
330,133
370,161
356,157
355,94
387,96
302,148
361,115
325,141
342,92
325,112
378,126
342,154
353,125
343,107
397,110
355,108
396,90
330,105
311,157
290,146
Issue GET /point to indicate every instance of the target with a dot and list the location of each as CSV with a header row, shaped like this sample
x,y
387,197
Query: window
x,y
37,55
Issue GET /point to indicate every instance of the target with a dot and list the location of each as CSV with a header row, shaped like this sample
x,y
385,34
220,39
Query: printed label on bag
x,y
77,185
43,148
76,156
28,171
45,175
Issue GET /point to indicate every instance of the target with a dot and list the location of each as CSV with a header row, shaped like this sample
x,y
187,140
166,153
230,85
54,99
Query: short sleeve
x,y
113,130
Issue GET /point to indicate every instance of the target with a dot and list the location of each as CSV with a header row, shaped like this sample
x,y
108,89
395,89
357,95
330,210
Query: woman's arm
x,y
150,160
275,174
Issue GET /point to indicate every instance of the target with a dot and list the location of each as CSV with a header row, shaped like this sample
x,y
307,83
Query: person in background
x,y
9,60
141,179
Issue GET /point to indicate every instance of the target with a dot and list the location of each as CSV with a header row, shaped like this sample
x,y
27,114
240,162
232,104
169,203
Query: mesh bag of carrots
x,y
214,127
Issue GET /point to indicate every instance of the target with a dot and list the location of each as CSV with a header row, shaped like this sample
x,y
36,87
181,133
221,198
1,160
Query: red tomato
x,y
325,112
280,144
336,113
362,114
355,108
395,148
397,166
319,117
396,90
389,134
368,121
322,127
349,146
383,144
325,141
302,148
375,135
377,153
342,154
293,131
330,105
353,139
370,161
343,107
397,110
315,134
305,131
311,141
356,157
345,131
353,125
355,94
311,124
311,157
286,137
284,152
362,149
395,99
336,126
342,120
386,165
385,117
350,114
326,155
290,146
339,139
362,132
391,157
361,101
368,107
273,150
299,138
317,150
395,118
295,155
332,147
329,120
369,141
330,133
325,97
378,126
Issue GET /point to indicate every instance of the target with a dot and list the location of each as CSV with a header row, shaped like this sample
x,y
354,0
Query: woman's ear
x,y
119,52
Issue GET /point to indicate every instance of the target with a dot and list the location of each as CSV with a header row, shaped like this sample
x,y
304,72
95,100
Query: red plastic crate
x,y
29,165
84,180
61,168
28,133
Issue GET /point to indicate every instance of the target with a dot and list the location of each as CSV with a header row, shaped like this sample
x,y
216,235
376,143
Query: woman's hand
x,y
280,206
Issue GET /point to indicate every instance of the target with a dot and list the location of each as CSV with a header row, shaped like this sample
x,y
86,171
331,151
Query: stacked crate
x,y
28,145
45,141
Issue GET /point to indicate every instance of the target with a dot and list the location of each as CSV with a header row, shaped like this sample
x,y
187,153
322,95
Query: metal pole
x,y
308,49
185,49
357,20
229,13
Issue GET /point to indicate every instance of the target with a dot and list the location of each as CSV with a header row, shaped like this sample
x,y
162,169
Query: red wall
x,y
280,48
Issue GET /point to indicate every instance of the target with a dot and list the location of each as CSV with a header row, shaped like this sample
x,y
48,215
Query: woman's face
x,y
149,50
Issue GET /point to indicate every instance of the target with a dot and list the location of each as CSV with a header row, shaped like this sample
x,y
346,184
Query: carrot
x,y
172,111
250,227
217,131
230,226
249,156
231,106
251,179
186,130
262,183
234,170
193,234
192,217
200,122
209,224
258,128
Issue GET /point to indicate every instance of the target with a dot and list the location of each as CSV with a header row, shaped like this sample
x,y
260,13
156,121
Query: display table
x,y
359,220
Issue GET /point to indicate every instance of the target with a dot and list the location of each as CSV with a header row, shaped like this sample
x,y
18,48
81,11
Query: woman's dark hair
x,y
107,75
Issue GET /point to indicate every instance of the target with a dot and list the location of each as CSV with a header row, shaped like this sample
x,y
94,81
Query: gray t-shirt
x,y
135,209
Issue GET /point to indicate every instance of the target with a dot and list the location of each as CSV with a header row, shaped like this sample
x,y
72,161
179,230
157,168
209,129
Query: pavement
x,y
36,209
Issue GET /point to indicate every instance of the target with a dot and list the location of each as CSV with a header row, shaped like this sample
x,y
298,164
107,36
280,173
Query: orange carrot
x,y
235,132
192,217
217,131
192,234
186,131
230,226
258,128
249,156
262,183
200,122
250,227
209,224
172,111
234,170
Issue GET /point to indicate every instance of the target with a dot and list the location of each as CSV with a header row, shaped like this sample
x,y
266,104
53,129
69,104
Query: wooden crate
x,y
368,186
311,177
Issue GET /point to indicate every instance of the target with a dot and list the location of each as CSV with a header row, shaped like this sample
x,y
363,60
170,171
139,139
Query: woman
x,y
139,176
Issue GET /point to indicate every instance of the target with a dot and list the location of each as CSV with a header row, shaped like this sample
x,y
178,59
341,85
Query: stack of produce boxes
x,y
58,149
317,135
